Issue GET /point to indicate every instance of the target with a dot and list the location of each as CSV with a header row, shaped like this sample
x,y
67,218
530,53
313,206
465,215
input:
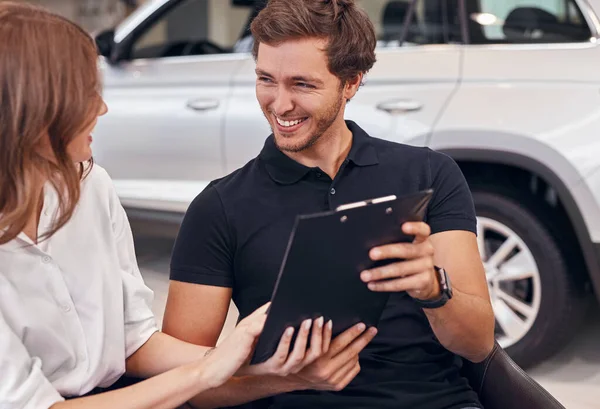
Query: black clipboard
x,y
320,273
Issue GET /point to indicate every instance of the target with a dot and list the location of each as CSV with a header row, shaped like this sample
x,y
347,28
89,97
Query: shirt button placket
x,y
64,306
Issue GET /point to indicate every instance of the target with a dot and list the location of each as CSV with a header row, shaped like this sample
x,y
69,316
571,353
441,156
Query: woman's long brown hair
x,y
49,86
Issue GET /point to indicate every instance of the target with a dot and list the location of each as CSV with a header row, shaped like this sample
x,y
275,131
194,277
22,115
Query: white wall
x,y
92,15
225,21
62,7
374,9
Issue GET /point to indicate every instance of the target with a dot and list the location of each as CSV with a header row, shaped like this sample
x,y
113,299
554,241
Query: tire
x,y
553,294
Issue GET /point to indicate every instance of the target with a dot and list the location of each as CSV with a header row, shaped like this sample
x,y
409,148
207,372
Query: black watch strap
x,y
445,292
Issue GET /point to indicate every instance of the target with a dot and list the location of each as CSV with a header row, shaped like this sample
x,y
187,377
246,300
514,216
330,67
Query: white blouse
x,y
74,307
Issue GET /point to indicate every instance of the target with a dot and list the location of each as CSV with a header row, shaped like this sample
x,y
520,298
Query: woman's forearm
x,y
160,354
166,391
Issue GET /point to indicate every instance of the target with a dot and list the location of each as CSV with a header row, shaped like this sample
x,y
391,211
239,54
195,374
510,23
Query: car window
x,y
431,21
193,27
526,21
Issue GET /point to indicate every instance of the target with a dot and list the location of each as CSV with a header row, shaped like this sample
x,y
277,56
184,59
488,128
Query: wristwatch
x,y
445,291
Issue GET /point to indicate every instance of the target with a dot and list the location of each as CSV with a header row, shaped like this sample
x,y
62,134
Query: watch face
x,y
442,277
445,284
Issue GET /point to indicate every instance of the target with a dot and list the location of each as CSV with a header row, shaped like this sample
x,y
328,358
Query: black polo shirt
x,y
235,233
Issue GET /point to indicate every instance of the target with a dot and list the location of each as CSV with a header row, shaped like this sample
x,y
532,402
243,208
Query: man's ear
x,y
351,87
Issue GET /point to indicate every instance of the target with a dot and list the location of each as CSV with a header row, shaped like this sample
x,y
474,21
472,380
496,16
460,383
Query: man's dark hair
x,y
347,28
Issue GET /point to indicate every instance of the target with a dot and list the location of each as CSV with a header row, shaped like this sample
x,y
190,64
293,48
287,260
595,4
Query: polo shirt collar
x,y
284,170
362,153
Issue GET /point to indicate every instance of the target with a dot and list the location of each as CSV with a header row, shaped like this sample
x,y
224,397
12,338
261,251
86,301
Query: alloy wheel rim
x,y
513,280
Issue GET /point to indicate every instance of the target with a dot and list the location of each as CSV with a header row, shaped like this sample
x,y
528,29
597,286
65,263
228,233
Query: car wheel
x,y
538,302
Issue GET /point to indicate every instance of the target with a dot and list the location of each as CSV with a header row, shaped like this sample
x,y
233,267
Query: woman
x,y
74,312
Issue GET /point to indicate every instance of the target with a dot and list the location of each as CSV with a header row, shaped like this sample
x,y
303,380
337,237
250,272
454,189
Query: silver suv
x,y
509,89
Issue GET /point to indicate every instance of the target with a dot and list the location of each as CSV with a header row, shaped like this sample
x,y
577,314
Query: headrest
x,y
529,23
394,15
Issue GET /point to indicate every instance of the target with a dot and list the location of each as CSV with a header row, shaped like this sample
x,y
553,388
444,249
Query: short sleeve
x,y
140,323
23,384
451,206
203,251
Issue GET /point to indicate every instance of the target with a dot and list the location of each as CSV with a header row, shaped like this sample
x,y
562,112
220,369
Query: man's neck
x,y
329,152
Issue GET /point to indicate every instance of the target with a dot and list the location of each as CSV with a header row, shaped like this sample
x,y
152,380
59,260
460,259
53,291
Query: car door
x,y
162,138
417,71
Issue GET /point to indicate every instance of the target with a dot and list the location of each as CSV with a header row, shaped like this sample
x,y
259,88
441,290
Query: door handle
x,y
203,104
400,106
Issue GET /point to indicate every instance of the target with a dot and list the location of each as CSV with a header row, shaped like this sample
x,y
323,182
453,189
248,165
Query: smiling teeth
x,y
288,124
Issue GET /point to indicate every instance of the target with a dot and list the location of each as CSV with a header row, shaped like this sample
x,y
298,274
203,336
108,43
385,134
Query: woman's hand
x,y
222,362
284,362
232,355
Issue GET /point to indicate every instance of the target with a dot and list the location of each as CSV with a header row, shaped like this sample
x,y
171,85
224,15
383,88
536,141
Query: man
x,y
311,57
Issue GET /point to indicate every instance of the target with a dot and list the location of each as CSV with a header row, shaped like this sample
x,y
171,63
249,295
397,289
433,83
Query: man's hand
x,y
339,366
465,325
415,274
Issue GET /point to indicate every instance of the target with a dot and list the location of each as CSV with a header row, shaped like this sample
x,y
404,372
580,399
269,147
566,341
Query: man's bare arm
x,y
196,313
465,325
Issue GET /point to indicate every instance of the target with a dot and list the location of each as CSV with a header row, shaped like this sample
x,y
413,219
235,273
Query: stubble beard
x,y
323,122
